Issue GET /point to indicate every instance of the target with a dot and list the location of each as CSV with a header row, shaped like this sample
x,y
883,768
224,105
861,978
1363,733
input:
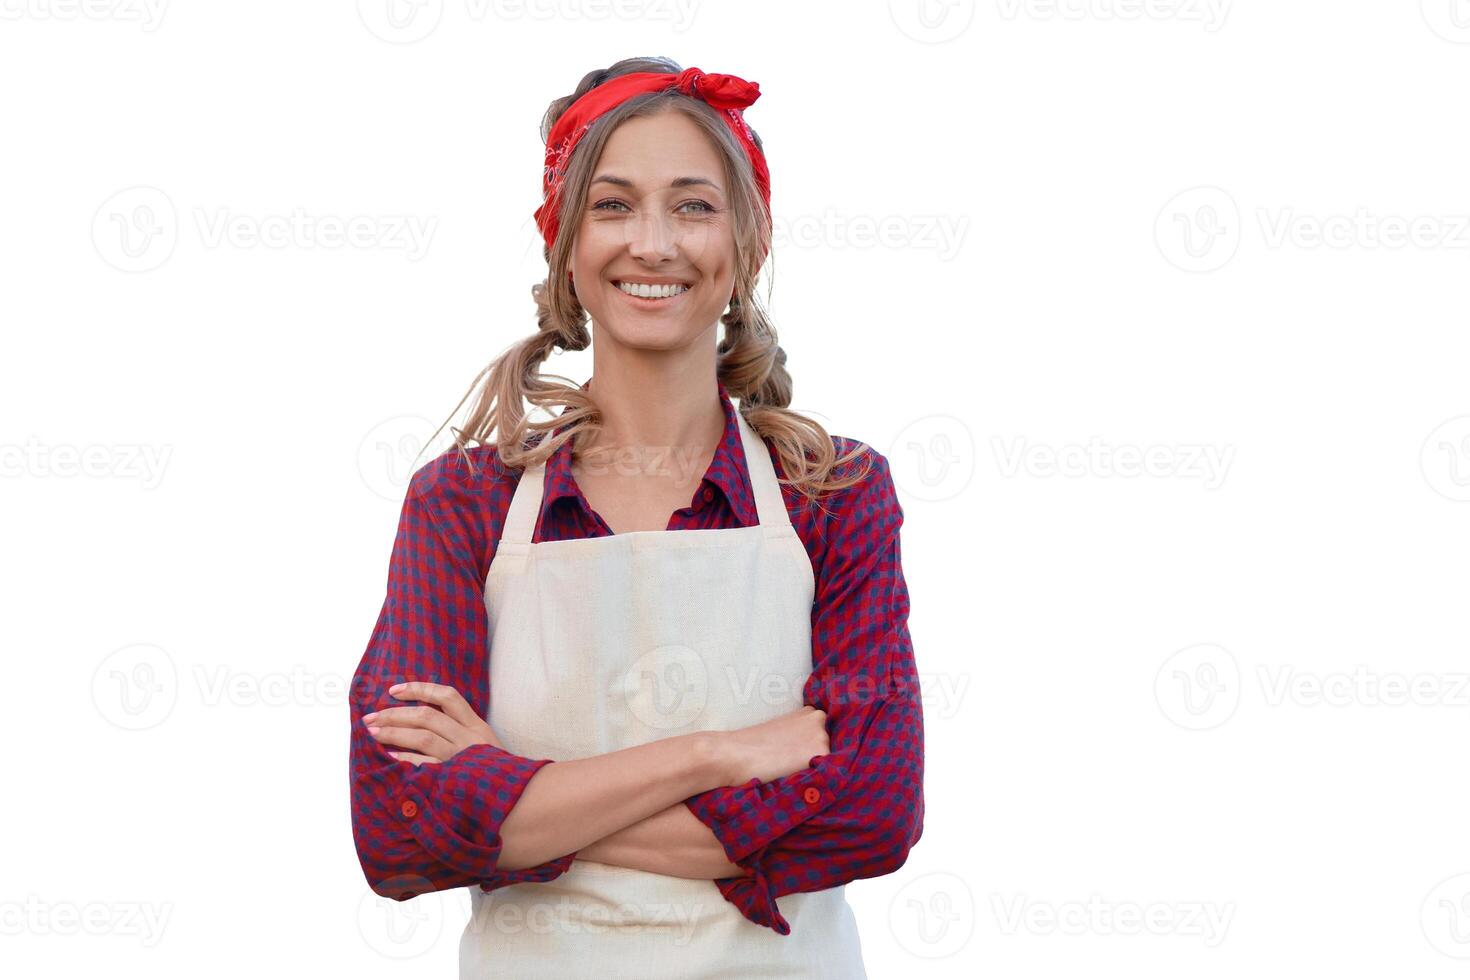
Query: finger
x,y
418,716
417,739
446,697
415,758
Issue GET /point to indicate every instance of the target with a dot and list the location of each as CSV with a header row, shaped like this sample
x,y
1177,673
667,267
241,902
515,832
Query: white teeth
x,y
648,291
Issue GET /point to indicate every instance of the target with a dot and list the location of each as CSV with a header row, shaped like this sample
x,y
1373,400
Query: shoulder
x,y
865,510
865,471
466,494
872,496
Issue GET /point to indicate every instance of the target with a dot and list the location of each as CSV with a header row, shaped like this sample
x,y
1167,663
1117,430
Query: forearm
x,y
568,805
671,842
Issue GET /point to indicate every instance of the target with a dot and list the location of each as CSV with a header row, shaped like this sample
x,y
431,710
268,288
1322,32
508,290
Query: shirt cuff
x,y
747,817
753,895
455,810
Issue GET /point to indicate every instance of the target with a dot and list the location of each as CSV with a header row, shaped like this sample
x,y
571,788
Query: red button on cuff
x,y
811,794
409,808
709,494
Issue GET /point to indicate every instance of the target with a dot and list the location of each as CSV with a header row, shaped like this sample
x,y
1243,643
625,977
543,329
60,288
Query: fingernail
x,y
372,730
396,688
370,718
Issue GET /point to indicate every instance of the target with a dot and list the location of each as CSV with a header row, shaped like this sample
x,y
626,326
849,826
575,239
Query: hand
x,y
435,735
775,748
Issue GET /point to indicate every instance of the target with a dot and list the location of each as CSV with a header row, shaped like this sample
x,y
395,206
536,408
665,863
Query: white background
x,y
1204,719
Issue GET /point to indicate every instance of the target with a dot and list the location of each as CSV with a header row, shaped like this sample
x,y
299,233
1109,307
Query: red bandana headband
x,y
727,93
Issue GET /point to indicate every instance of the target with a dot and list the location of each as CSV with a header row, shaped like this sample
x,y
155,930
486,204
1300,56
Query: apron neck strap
x,y
770,508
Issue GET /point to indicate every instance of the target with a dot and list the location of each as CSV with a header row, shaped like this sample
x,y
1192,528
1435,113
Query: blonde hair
x,y
749,360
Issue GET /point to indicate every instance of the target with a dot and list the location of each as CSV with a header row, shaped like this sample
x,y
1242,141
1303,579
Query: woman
x,y
692,705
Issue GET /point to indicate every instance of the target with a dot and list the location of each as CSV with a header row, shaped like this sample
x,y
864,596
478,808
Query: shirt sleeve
x,y
855,812
432,827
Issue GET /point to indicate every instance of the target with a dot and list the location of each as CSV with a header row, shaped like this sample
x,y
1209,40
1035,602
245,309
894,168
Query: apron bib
x,y
601,644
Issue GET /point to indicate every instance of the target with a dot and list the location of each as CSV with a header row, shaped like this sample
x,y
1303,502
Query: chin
x,y
652,336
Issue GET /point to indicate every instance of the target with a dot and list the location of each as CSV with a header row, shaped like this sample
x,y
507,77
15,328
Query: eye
x,y
612,203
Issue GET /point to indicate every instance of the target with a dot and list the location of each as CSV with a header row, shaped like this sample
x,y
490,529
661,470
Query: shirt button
x,y
410,809
709,494
811,794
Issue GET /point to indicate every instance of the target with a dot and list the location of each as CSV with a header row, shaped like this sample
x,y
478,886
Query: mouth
x,y
650,295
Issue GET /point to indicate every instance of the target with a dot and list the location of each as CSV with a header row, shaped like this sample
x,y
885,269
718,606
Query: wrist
x,y
715,760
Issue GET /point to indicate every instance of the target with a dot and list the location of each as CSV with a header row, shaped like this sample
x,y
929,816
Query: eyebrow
x,y
677,182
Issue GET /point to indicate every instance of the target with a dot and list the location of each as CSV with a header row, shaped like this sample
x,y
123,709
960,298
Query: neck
x,y
655,402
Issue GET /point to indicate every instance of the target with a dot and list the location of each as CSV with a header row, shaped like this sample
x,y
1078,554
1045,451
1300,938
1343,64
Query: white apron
x,y
600,644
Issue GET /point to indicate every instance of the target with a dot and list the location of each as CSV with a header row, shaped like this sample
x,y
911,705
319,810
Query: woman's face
x,y
657,212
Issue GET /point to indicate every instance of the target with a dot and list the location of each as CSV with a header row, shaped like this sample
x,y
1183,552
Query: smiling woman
x,y
636,704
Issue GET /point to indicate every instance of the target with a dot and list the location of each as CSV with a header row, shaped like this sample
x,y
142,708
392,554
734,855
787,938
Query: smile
x,y
650,293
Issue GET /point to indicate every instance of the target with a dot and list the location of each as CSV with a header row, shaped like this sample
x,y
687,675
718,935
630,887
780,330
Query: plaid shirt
x,y
854,813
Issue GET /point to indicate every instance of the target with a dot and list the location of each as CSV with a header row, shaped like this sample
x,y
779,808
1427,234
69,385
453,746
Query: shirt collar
x,y
727,471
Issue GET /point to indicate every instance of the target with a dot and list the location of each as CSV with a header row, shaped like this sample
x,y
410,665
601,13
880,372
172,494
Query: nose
x,y
651,234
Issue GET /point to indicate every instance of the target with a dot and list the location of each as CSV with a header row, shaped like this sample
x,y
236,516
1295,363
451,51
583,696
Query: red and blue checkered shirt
x,y
854,813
